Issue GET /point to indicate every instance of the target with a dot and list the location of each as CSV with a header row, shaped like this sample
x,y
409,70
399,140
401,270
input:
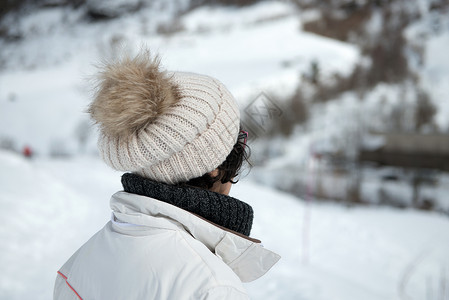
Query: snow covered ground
x,y
47,86
51,207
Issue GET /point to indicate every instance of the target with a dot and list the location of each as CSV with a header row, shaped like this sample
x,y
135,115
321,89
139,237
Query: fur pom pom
x,y
130,94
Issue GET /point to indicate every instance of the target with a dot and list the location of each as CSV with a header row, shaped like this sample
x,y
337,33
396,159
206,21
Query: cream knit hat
x,y
168,127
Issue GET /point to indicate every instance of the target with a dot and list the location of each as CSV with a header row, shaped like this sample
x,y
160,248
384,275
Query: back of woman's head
x,y
170,127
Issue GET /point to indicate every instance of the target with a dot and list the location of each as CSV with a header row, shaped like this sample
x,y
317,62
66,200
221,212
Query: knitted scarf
x,y
220,209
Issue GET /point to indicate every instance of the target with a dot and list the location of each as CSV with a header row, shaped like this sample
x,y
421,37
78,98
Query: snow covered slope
x,y
43,92
333,252
328,251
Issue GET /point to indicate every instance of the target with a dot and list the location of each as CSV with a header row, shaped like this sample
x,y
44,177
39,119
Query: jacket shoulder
x,y
218,273
160,264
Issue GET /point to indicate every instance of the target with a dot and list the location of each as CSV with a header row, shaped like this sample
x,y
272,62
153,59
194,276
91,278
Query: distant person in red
x,y
27,152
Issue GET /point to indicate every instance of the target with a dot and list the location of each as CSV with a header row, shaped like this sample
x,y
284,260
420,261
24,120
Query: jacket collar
x,y
220,209
246,257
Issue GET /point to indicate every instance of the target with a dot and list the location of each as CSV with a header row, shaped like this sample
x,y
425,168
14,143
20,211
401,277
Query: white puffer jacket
x,y
154,250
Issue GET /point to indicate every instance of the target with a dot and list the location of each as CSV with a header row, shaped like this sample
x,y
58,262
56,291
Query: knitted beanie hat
x,y
168,127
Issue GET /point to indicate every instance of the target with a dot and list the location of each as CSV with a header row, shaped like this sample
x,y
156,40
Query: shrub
x,y
336,27
170,28
385,50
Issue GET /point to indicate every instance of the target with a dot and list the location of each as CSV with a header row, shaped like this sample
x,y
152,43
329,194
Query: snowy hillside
x,y
246,52
328,251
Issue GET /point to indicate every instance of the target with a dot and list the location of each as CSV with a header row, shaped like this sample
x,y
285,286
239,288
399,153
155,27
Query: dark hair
x,y
229,169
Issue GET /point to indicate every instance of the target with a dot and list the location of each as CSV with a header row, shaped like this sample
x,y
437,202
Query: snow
x,y
339,253
373,142
248,59
34,102
432,33
212,18
437,79
265,38
343,126
352,253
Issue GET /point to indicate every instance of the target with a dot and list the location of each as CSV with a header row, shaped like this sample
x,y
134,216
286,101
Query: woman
x,y
174,231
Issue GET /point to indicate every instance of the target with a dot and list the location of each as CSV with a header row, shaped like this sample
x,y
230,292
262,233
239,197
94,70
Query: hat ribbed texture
x,y
190,139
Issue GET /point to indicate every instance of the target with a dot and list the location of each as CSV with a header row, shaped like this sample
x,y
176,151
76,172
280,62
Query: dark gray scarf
x,y
220,209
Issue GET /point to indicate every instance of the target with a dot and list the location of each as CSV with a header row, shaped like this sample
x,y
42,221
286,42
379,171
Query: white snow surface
x,y
328,251
44,92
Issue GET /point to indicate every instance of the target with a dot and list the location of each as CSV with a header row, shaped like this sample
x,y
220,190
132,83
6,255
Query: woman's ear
x,y
218,187
214,173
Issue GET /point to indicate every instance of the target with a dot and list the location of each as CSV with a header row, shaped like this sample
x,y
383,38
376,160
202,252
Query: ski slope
x,y
50,207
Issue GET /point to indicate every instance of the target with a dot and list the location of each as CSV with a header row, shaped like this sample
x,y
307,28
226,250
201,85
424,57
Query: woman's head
x,y
170,127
